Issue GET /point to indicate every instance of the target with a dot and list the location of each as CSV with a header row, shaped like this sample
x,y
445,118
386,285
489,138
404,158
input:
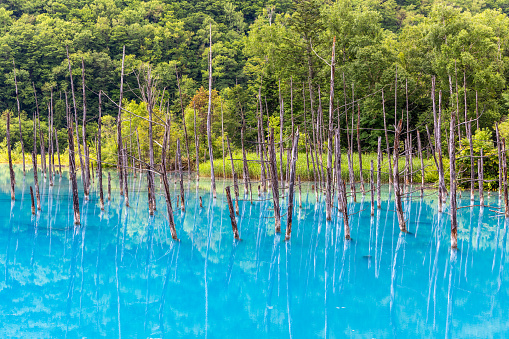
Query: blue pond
x,y
121,275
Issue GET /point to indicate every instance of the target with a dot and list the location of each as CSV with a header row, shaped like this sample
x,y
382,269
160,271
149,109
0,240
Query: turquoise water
x,y
121,275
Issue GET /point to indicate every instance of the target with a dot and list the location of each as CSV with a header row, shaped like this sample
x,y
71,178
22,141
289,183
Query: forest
x,y
268,59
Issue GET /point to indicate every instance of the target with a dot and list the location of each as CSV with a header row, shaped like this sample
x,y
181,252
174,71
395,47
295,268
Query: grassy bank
x,y
305,174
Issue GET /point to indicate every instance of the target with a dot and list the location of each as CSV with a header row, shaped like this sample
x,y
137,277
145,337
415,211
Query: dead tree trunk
x,y
43,149
386,137
181,177
291,185
395,180
184,125
99,156
197,147
32,199
209,119
330,135
504,164
109,186
72,172
19,119
500,169
453,183
11,170
379,174
472,171
234,175
85,191
83,130
281,122
359,149
119,126
481,178
274,180
169,207
232,213
419,146
58,153
36,180
372,189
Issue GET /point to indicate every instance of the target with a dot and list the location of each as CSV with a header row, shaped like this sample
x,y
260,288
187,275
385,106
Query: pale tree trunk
x,y
99,157
330,142
11,170
85,191
19,118
209,119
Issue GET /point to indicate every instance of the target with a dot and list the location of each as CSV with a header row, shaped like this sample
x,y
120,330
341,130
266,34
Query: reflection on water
x,y
121,274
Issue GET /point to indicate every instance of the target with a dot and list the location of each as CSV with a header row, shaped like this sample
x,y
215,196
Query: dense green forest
x,y
274,50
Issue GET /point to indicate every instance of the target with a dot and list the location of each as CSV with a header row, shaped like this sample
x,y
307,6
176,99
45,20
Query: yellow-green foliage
x,y
302,168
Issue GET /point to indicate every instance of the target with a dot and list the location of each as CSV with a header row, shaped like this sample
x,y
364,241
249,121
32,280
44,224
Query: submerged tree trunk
x,y
209,119
169,207
85,191
274,181
397,189
99,157
19,119
453,183
295,154
72,172
11,170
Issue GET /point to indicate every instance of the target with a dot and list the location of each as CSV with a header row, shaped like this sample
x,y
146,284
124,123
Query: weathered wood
x,y
409,137
43,150
109,186
274,181
36,180
181,178
69,125
292,184
58,153
139,149
32,199
500,169
11,170
235,183
481,178
344,208
72,172
222,139
99,154
83,130
119,126
386,137
419,149
300,193
197,146
504,165
407,162
50,174
281,123
19,118
395,180
164,176
472,170
245,168
453,183
359,149
379,174
232,214
201,203
184,125
209,119
372,189
330,135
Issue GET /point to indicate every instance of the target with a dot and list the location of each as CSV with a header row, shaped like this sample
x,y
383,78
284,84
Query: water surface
x,y
121,275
